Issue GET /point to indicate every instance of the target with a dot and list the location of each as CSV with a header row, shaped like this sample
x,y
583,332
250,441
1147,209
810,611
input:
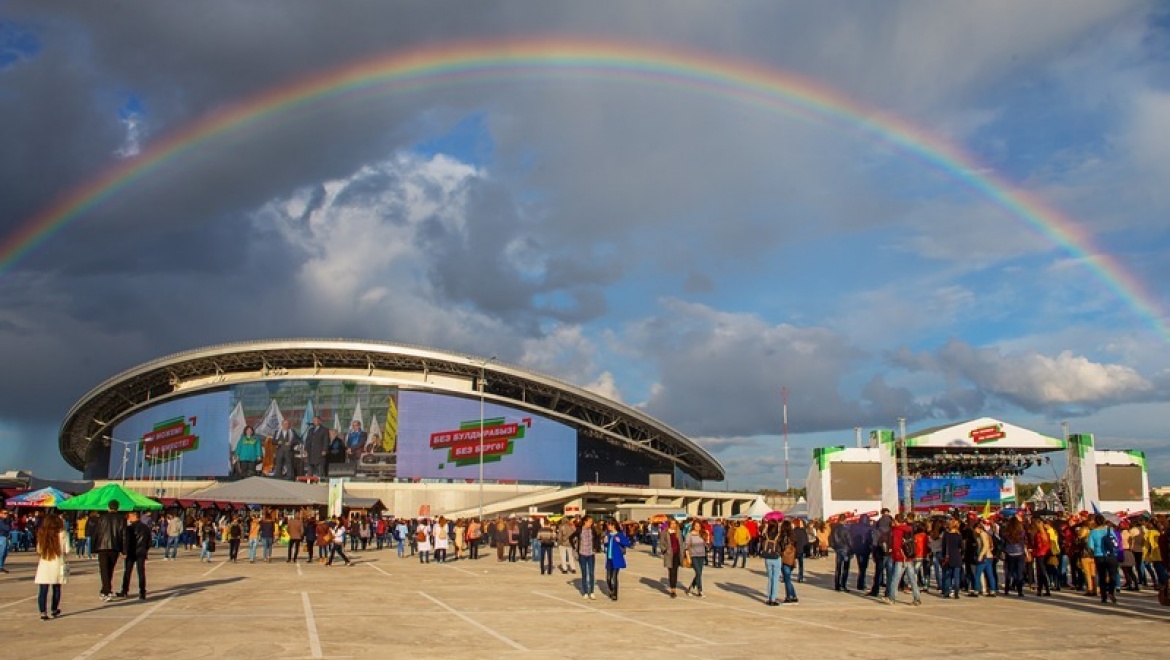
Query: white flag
x,y
337,423
357,415
236,424
375,432
271,422
307,418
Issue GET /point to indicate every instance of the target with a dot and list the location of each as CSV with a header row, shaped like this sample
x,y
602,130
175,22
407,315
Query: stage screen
x,y
852,482
439,439
1118,483
193,430
937,493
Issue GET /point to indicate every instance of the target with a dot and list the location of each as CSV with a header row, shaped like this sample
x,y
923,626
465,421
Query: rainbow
x,y
698,72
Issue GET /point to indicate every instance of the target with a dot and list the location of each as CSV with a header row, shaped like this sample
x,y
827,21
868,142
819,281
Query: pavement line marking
x,y
376,568
17,602
473,622
786,617
314,639
299,572
461,570
614,615
120,631
214,569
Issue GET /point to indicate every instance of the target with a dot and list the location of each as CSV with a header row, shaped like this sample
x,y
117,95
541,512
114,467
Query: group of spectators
x,y
1010,554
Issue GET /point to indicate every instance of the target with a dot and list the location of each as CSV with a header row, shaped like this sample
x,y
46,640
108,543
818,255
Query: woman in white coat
x,y
439,536
52,568
422,534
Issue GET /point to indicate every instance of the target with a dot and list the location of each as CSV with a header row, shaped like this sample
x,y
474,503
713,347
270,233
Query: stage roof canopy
x,y
277,492
982,434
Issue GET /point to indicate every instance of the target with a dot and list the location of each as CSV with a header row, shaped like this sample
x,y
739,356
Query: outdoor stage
x,y
384,606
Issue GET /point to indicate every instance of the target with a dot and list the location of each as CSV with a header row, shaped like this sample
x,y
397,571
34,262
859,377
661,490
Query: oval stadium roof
x,y
91,418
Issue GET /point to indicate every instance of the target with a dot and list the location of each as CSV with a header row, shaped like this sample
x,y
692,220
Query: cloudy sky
x,y
687,252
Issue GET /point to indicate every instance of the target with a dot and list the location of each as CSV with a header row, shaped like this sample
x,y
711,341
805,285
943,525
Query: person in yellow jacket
x,y
742,538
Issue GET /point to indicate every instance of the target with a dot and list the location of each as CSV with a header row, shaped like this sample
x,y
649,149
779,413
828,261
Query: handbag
x,y
64,576
686,562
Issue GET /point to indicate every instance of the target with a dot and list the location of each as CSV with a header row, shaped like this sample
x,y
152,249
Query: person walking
x,y
337,547
902,553
137,546
860,546
586,541
770,553
52,565
253,538
565,532
616,543
951,562
696,554
108,537
670,545
718,544
208,532
235,533
401,534
296,534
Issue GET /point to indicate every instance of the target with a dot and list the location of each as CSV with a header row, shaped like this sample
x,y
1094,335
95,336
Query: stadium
x,y
410,425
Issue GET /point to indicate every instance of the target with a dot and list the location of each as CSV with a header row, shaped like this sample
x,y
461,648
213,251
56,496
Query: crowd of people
x,y
883,557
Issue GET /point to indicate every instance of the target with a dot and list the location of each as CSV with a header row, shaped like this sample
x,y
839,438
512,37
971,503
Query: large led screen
x,y
439,438
201,432
1120,483
190,434
853,482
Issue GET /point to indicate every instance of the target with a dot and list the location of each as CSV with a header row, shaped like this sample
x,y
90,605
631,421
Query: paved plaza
x,y
384,606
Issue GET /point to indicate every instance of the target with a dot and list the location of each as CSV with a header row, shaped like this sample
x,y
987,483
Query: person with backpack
x,y
422,536
788,560
1103,544
902,553
547,537
770,552
440,533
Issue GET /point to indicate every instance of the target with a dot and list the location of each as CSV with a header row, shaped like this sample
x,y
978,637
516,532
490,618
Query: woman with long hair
x,y
696,551
787,560
671,546
1015,548
770,551
248,450
1041,546
52,568
615,546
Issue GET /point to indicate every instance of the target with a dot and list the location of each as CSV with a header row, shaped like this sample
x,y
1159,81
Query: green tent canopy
x,y
98,499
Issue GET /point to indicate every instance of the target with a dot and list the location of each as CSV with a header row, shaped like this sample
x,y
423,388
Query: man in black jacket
x,y
108,536
136,544
316,444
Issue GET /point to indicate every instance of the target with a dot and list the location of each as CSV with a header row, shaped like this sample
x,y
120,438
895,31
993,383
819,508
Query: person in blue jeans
x,y
984,568
586,540
718,544
770,552
788,560
951,560
696,548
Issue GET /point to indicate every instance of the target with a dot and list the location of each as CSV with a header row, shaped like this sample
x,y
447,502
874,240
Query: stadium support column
x,y
482,383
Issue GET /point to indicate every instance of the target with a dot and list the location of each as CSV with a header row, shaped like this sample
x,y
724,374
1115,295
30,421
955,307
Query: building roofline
x,y
221,364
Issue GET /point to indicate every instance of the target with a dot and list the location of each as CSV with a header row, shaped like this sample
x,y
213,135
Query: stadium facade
x,y
420,413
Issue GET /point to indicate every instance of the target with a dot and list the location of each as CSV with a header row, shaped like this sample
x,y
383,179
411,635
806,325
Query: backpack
x,y
420,536
546,536
1109,544
909,547
770,547
788,555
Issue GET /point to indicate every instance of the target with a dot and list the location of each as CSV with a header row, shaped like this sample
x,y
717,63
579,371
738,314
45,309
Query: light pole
x,y
125,453
907,493
482,383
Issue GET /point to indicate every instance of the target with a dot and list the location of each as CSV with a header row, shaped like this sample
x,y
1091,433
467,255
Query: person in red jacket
x,y
1041,547
902,554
